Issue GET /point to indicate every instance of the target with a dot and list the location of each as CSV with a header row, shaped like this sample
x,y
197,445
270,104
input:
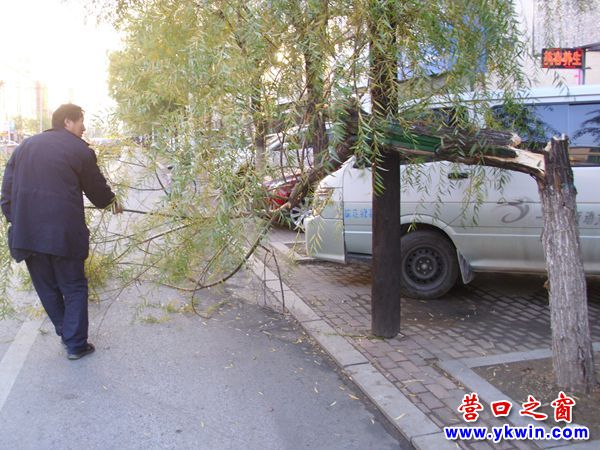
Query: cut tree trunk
x,y
571,342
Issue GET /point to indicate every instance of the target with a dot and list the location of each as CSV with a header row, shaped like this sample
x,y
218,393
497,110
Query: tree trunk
x,y
385,268
260,129
313,38
314,108
571,342
385,287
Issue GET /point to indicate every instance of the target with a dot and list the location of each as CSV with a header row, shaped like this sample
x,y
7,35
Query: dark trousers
x,y
62,287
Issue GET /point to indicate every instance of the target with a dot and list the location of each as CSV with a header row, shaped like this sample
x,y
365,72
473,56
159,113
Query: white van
x,y
447,232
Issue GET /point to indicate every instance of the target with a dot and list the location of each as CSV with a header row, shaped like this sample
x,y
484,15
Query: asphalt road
x,y
245,377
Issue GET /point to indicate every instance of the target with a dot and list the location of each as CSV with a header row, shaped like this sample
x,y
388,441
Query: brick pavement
x,y
495,314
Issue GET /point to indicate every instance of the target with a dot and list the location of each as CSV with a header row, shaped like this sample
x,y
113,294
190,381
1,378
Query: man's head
x,y
69,117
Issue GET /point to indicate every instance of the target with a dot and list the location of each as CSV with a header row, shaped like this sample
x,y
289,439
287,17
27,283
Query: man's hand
x,y
116,207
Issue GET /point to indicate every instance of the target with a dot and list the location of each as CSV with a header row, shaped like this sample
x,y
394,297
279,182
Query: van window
x,y
584,124
536,124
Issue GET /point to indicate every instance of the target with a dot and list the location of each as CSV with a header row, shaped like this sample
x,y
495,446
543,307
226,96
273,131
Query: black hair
x,y
66,111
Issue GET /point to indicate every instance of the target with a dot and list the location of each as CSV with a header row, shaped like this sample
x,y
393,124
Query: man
x,y
43,202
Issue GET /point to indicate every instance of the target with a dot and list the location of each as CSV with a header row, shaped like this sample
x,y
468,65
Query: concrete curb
x,y
409,420
460,369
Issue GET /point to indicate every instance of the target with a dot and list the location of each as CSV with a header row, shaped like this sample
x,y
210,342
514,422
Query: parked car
x,y
278,192
446,233
292,154
292,148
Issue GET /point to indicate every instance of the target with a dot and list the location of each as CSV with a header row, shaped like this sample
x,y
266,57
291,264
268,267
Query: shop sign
x,y
563,58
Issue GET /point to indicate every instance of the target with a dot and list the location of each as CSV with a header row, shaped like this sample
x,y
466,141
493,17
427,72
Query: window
x,y
584,124
536,124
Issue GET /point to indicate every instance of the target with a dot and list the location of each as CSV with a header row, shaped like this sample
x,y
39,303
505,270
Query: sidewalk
x,y
419,378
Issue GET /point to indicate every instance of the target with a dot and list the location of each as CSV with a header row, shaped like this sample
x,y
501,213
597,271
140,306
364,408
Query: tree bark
x,y
383,83
315,37
571,342
260,129
257,109
310,23
385,288
326,166
314,108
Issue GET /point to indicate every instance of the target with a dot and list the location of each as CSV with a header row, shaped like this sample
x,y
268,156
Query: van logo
x,y
358,213
521,209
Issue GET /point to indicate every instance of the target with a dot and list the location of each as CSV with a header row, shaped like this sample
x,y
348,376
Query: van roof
x,y
590,92
564,93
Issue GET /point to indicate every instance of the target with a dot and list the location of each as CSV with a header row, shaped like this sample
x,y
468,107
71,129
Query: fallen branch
x,y
486,147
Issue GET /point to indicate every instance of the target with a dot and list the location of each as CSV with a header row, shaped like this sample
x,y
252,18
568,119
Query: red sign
x,y
563,58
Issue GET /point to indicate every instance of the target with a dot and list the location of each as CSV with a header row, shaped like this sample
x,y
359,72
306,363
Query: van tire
x,y
429,265
298,213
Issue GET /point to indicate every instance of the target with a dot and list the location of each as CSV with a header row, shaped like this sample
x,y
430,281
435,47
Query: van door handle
x,y
458,176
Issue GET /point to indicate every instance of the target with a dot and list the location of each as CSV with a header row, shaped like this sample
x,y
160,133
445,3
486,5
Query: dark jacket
x,y
42,195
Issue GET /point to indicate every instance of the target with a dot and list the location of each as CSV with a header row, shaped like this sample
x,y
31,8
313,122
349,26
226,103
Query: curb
x,y
460,369
409,420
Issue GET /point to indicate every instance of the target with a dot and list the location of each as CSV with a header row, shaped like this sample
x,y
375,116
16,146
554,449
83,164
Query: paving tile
x,y
439,391
409,367
416,387
396,407
417,360
447,416
430,400
400,374
454,354
436,420
454,401
397,356
425,354
386,362
446,382
421,406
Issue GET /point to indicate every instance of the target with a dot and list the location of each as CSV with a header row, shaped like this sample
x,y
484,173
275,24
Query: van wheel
x,y
298,213
429,265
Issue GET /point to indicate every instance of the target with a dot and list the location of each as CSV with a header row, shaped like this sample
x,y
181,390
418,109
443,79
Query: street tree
x,y
434,53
